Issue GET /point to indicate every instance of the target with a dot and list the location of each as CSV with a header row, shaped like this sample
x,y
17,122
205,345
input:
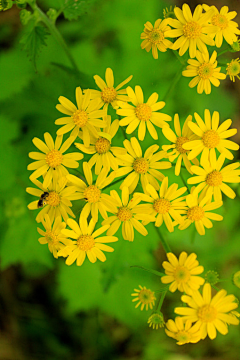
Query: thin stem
x,y
184,182
123,132
174,83
223,52
163,241
215,287
158,273
183,62
115,182
160,301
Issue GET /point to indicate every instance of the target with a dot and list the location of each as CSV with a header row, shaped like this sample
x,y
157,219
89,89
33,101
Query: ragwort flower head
x,y
233,69
183,332
156,320
145,297
142,114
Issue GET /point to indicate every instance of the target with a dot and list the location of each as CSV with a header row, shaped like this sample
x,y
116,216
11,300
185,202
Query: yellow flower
x,y
109,94
169,13
96,200
156,320
86,242
154,37
198,211
204,72
51,162
236,279
145,297
233,69
192,31
210,314
178,139
52,234
57,202
142,114
127,215
85,116
212,179
183,332
166,205
139,167
181,273
211,137
104,153
225,28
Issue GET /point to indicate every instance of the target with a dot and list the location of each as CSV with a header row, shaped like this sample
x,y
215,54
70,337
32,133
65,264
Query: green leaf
x,y
75,8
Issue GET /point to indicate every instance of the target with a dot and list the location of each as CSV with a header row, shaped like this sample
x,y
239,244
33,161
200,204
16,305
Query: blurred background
x,y
47,309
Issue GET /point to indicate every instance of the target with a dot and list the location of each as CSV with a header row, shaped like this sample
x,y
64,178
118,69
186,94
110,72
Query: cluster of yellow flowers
x,y
207,26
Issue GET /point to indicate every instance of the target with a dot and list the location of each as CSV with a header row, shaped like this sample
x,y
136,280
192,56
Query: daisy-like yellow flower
x,y
104,154
57,200
165,205
109,94
145,297
211,314
178,139
233,69
96,200
51,162
86,242
193,31
156,320
211,137
225,27
154,38
204,71
183,332
212,178
84,117
126,215
141,167
142,114
198,211
53,235
181,273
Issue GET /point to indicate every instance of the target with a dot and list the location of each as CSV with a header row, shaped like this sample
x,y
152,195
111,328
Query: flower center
x,y
51,237
192,30
179,143
211,139
214,178
233,68
124,214
156,36
102,145
108,94
92,194
162,206
54,158
196,213
183,337
220,21
205,71
143,112
140,165
85,242
207,313
146,296
80,118
53,199
182,274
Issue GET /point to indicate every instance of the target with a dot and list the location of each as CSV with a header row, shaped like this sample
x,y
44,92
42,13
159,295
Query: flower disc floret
x,y
196,213
124,214
207,313
108,94
54,158
143,112
80,118
145,297
102,145
211,139
205,71
214,178
156,36
53,199
162,206
220,21
85,242
192,30
141,165
92,194
179,143
236,279
156,320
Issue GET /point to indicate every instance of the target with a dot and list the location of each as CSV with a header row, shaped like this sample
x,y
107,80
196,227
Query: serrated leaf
x,y
75,8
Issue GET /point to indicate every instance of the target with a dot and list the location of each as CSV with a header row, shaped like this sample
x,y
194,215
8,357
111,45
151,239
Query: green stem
x,y
174,83
183,62
215,287
163,241
115,182
184,182
160,301
158,273
223,52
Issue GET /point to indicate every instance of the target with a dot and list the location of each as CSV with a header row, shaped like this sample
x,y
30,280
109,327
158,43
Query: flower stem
x,y
160,301
184,182
223,52
174,83
158,273
183,62
163,241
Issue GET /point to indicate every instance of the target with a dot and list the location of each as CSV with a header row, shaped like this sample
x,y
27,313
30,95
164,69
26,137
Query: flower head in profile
x,y
169,13
142,114
179,138
85,116
204,71
86,242
51,162
210,314
145,297
182,273
183,332
156,320
233,69
141,167
154,38
236,279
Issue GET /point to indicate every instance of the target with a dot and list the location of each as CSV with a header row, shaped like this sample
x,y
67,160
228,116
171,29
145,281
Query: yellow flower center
x,y
182,274
124,214
108,94
205,71
220,21
195,214
162,206
85,242
54,158
214,178
183,337
146,296
179,143
233,68
51,237
102,145
207,313
211,139
92,194
53,198
192,30
156,36
143,112
80,118
140,165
